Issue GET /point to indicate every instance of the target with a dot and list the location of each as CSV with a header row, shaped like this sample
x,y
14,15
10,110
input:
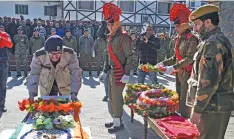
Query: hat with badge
x,y
204,12
54,43
19,28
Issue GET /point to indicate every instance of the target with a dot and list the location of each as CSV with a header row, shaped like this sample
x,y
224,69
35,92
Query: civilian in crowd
x,y
33,26
59,30
36,42
41,29
26,29
43,24
21,52
147,44
48,27
5,43
69,40
52,32
86,50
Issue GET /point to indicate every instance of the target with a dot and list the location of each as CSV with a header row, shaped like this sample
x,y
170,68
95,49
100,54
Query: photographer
x,y
147,45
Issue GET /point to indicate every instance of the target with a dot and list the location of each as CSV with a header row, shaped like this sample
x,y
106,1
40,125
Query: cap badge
x,y
58,48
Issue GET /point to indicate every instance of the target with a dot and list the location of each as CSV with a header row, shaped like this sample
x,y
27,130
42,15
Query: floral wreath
x,y
150,68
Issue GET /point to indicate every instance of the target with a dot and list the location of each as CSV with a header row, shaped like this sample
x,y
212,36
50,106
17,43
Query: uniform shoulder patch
x,y
69,50
40,52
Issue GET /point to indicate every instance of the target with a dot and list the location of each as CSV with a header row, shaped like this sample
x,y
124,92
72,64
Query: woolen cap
x,y
54,43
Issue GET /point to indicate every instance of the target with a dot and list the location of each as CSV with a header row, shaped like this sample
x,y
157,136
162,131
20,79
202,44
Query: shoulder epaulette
x,y
69,50
40,52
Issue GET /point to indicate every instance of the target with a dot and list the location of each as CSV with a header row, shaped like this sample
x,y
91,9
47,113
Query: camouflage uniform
x,y
21,52
187,48
162,52
135,55
99,48
171,48
70,42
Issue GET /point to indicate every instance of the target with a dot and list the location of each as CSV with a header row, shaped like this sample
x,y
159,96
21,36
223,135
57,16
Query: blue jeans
x,y
141,76
106,80
3,81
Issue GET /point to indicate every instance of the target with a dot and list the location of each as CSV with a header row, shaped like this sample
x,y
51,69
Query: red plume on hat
x,y
179,13
111,12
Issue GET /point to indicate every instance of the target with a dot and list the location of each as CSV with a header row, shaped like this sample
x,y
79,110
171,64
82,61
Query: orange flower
x,y
51,107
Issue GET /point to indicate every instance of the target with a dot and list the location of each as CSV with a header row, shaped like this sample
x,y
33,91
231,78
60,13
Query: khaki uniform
x,y
124,56
187,48
99,48
162,52
70,42
210,86
21,52
36,43
171,48
67,73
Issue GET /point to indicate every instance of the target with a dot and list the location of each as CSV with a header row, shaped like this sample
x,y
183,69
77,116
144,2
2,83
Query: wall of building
x,y
35,9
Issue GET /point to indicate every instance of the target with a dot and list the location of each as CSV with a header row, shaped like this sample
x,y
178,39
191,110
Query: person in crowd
x,y
185,48
147,45
59,30
41,29
69,40
162,52
48,27
5,44
21,52
211,83
36,42
86,50
120,63
135,51
33,26
26,29
55,68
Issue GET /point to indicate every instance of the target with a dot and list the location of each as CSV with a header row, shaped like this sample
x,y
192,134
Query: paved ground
x,y
94,113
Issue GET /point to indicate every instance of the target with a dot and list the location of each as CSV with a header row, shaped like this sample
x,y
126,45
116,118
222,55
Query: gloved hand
x,y
169,70
125,79
160,64
74,96
31,96
102,76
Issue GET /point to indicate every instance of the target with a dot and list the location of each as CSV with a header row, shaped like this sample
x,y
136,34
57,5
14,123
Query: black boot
x,y
9,74
117,126
109,125
98,73
4,109
90,74
25,74
18,74
105,98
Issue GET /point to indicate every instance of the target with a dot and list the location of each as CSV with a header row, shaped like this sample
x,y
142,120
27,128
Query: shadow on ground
x,y
15,81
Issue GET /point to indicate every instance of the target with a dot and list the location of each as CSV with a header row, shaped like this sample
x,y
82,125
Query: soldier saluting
x,y
119,63
185,48
211,83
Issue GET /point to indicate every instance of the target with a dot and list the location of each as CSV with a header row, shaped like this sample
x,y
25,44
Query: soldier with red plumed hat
x,y
185,48
119,63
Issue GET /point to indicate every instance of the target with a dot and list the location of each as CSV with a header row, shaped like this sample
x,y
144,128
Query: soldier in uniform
x,y
36,42
55,68
211,83
99,48
120,63
21,52
162,52
69,40
185,48
135,51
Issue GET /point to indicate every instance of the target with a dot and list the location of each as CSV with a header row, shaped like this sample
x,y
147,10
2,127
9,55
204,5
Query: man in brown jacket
x,y
185,48
119,63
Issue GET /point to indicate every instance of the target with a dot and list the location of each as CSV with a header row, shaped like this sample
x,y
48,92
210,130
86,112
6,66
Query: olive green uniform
x,y
187,49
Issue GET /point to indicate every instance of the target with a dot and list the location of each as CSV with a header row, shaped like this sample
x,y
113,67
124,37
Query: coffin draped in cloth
x,y
178,127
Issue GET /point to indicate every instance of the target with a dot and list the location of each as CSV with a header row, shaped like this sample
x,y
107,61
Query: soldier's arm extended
x,y
75,71
209,75
34,75
127,49
191,50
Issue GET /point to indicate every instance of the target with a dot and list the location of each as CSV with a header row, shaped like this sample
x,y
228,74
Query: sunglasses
x,y
110,24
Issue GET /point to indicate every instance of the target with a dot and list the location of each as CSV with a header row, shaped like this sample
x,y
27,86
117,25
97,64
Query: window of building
x,y
86,5
50,10
127,6
21,9
192,4
164,7
203,3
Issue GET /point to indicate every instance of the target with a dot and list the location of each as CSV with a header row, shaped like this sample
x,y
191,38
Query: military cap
x,y
54,43
36,30
53,29
85,30
1,27
132,32
68,30
203,12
